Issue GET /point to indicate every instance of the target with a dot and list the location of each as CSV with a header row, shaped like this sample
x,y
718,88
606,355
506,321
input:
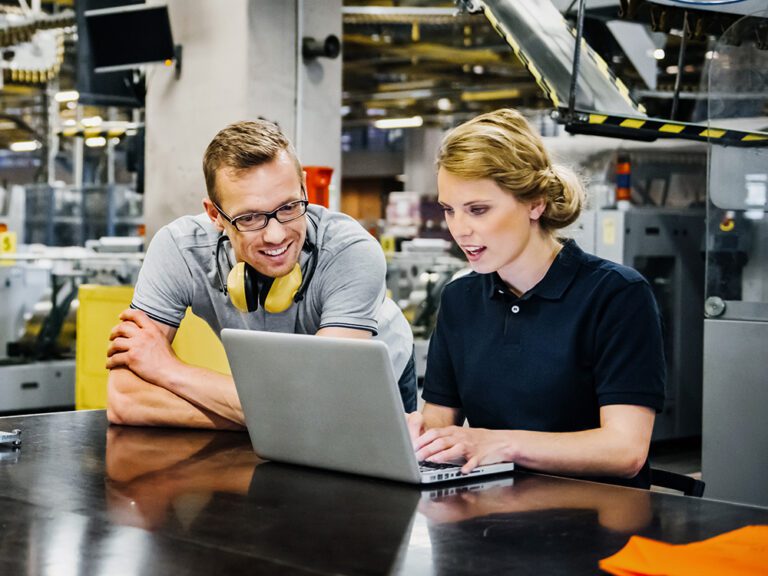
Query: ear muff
x,y
247,289
283,291
239,288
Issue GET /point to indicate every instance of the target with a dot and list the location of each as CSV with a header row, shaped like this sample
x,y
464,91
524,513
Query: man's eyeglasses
x,y
258,220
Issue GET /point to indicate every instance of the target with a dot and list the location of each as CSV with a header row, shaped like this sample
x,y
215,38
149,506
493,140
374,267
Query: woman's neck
x,y
532,264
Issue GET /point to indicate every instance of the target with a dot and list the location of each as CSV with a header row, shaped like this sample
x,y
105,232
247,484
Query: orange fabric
x,y
742,552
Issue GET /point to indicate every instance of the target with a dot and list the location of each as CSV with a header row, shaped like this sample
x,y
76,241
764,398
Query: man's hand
x,y
143,346
477,446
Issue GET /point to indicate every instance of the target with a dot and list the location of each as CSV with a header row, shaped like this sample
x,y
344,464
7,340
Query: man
x,y
300,269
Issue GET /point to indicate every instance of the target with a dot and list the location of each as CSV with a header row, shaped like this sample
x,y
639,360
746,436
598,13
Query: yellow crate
x,y
100,306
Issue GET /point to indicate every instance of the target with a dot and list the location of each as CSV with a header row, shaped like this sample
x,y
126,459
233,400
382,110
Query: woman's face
x,y
491,227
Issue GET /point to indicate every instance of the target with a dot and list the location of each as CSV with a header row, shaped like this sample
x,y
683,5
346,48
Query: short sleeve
x,y
440,386
164,286
630,366
352,287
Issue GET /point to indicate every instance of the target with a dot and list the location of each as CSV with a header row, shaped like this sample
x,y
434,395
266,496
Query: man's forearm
x,y
207,389
132,401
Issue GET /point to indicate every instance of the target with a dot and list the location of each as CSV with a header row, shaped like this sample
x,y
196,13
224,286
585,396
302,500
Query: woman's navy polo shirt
x,y
587,335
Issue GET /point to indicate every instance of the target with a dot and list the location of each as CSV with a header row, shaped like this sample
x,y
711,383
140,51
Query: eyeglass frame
x,y
269,215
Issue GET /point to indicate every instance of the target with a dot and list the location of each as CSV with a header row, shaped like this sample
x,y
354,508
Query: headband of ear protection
x,y
247,288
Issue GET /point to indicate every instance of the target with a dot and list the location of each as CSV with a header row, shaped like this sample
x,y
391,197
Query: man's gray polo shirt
x,y
347,290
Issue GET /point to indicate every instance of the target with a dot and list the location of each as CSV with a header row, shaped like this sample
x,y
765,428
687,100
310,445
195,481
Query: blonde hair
x,y
245,145
502,146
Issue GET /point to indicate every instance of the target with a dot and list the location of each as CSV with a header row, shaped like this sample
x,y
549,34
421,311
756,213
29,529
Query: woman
x,y
553,356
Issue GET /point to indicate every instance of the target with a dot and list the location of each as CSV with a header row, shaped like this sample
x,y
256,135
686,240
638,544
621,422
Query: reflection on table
x,y
153,474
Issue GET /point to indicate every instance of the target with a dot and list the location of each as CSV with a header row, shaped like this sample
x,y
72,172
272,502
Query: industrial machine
x,y
37,366
39,283
416,277
38,320
734,455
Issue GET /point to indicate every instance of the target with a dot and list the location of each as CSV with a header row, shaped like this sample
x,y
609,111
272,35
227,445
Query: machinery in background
x,y
12,210
37,331
38,318
416,277
32,377
734,456
70,216
412,215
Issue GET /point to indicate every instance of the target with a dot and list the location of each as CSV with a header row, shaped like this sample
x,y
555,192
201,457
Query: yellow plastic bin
x,y
100,306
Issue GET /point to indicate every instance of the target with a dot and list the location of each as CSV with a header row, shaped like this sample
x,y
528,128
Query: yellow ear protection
x,y
247,288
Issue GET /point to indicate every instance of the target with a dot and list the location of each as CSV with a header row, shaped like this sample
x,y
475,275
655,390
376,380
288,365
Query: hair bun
x,y
565,197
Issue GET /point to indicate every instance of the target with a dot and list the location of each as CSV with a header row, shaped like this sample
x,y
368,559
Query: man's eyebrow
x,y
248,212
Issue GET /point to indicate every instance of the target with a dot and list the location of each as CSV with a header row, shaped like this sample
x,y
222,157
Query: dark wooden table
x,y
81,497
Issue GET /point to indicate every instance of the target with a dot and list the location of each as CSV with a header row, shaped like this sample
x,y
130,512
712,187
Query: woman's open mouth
x,y
473,252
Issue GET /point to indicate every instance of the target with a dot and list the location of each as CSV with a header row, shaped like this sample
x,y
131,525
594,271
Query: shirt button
x,y
515,309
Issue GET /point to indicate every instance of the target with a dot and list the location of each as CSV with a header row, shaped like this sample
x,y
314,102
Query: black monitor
x,y
126,37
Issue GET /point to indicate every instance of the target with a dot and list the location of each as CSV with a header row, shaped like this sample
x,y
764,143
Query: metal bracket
x,y
469,6
12,438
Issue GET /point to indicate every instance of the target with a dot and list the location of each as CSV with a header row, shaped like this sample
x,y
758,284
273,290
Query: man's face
x,y
274,250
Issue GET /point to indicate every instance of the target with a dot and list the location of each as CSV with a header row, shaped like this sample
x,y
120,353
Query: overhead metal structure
x,y
588,98
545,43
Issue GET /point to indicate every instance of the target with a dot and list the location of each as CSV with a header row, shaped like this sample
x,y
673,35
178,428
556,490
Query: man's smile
x,y
275,251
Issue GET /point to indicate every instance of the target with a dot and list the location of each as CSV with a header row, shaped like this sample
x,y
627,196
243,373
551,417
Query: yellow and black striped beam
x,y
541,80
650,129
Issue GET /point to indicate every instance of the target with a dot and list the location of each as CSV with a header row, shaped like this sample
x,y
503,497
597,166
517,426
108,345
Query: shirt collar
x,y
555,282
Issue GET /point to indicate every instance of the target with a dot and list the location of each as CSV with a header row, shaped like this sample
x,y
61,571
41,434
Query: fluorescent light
x,y
67,96
25,146
444,104
95,141
659,54
389,123
91,121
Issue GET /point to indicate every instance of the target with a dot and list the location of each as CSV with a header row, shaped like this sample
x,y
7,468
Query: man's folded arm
x,y
132,401
150,386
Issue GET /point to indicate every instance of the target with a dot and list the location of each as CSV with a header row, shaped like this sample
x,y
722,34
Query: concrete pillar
x,y
241,59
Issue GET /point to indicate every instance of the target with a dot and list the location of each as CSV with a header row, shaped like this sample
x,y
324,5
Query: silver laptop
x,y
329,403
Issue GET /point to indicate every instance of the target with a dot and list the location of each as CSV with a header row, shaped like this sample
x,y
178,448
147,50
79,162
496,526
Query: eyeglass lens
x,y
286,213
